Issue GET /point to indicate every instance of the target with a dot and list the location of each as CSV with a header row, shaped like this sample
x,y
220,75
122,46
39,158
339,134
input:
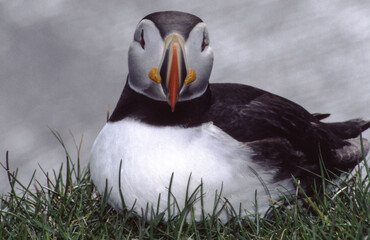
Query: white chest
x,y
151,154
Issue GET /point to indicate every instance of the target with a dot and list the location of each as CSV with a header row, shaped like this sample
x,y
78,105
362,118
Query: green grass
x,y
69,207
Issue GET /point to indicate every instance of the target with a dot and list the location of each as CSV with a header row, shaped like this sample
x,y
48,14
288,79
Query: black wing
x,y
281,132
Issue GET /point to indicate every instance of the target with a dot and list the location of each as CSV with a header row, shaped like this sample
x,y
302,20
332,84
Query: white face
x,y
149,51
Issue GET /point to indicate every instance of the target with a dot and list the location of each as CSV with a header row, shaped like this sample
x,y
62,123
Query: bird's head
x,y
170,58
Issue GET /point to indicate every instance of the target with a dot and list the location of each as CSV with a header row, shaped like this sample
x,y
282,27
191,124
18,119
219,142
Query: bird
x,y
174,138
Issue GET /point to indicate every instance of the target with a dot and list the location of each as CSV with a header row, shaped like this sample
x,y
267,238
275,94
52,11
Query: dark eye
x,y
142,42
204,43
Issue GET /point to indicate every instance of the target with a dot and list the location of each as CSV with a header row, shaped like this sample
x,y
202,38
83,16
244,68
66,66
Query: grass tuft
x,y
69,207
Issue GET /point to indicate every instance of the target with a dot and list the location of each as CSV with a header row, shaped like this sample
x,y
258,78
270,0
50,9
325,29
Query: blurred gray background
x,y
62,62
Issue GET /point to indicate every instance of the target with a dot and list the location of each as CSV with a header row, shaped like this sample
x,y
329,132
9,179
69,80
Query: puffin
x,y
175,140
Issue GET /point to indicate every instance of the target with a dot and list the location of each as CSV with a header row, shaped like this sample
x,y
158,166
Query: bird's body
x,y
240,142
203,154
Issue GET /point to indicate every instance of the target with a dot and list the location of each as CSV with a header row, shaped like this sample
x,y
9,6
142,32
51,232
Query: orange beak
x,y
174,81
173,69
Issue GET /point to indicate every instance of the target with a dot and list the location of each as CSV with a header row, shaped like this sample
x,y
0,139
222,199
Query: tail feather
x,y
321,116
349,129
365,126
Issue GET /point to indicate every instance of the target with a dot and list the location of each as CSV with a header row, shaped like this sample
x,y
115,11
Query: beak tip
x,y
172,105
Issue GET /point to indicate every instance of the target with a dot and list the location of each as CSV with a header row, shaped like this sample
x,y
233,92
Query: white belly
x,y
151,154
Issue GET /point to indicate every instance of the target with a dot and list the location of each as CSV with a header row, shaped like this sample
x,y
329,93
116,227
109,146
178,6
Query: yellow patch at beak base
x,y
153,74
191,77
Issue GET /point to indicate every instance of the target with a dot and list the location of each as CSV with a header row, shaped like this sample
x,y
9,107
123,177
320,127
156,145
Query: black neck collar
x,y
137,106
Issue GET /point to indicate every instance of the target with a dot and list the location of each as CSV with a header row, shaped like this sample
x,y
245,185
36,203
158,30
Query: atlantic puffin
x,y
172,132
